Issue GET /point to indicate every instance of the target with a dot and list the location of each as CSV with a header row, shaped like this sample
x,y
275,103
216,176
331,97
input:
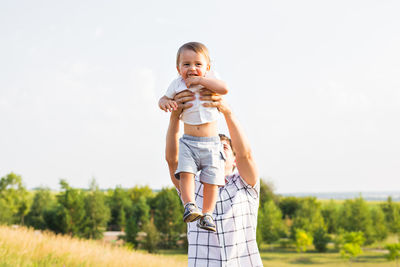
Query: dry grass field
x,y
22,247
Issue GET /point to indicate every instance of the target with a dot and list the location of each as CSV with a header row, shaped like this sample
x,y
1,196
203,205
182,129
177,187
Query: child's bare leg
x,y
210,193
186,183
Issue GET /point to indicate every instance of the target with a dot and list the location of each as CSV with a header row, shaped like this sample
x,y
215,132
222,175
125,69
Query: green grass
x,y
288,257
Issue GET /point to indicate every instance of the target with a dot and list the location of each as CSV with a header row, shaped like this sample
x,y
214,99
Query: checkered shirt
x,y
235,215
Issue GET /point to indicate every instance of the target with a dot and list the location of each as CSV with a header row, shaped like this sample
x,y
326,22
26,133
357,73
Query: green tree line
x,y
87,213
286,218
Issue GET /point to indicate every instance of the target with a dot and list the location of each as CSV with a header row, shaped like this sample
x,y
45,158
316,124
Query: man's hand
x,y
216,100
244,159
167,104
182,100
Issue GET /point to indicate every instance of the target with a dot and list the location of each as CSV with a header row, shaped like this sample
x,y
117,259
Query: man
x,y
234,243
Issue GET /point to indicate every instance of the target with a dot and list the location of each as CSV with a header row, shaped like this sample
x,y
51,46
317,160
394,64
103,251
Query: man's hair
x,y
223,137
196,47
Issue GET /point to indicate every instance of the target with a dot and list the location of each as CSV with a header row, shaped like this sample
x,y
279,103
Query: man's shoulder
x,y
236,181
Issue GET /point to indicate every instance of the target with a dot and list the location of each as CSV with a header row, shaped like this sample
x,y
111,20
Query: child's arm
x,y
167,104
215,85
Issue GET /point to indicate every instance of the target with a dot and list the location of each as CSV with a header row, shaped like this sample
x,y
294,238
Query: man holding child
x,y
235,214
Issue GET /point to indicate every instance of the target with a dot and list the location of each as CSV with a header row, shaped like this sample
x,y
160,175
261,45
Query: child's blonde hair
x,y
197,47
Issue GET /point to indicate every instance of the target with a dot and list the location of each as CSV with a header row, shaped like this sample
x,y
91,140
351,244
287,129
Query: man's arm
x,y
244,157
172,145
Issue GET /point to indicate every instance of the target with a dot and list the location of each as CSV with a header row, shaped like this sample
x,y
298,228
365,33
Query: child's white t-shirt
x,y
196,114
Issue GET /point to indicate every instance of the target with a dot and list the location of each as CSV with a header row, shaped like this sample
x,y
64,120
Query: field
x,y
21,247
330,259
290,258
25,247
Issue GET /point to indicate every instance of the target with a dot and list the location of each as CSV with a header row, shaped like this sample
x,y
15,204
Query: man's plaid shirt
x,y
235,215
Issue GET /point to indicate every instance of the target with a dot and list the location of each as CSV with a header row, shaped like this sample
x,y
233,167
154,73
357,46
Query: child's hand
x,y
193,80
167,104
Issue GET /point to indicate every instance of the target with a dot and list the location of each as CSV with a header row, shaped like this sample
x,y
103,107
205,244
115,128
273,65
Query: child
x,y
200,148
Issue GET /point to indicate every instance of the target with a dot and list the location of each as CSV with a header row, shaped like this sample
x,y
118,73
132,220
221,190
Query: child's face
x,y
192,64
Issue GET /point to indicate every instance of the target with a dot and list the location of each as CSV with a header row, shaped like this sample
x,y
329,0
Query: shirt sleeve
x,y
171,91
254,191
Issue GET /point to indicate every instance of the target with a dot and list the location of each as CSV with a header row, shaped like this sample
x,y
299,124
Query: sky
x,y
314,84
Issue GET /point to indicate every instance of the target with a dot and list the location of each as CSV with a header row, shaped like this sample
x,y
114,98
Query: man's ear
x,y
234,165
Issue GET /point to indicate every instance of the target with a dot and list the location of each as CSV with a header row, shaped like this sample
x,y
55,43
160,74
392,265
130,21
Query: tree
x,y
70,212
136,221
14,199
380,231
168,217
267,193
289,206
43,201
119,204
137,192
270,223
330,213
392,215
303,240
307,216
97,212
355,216
321,239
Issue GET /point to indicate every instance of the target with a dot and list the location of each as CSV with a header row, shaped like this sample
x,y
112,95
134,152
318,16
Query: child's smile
x,y
192,64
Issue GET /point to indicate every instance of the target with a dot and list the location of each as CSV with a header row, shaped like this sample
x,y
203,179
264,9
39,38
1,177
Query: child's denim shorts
x,y
203,154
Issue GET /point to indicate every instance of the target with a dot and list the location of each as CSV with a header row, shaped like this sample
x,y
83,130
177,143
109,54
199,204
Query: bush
x,y
350,244
321,239
394,252
270,226
303,240
152,237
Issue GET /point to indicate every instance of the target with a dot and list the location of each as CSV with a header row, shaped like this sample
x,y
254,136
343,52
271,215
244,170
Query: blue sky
x,y
315,84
